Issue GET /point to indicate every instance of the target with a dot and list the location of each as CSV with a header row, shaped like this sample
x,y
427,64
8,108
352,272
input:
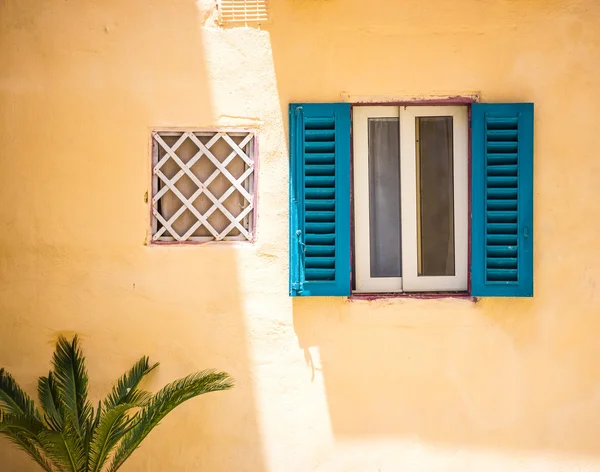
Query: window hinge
x,y
298,287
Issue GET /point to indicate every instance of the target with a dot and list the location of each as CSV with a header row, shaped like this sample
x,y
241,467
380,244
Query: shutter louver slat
x,y
320,216
320,135
502,261
319,170
319,146
502,159
321,241
319,181
320,251
500,251
320,262
317,193
317,275
319,205
320,199
319,158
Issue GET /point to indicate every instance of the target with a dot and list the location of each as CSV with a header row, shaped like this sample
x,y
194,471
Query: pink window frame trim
x,y
253,238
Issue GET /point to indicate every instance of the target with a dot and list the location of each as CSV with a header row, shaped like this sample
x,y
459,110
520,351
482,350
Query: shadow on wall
x,y
452,372
106,74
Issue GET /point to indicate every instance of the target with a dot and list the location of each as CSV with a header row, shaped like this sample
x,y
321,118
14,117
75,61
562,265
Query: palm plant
x,y
69,435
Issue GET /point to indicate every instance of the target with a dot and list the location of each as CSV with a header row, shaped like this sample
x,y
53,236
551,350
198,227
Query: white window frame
x,y
410,280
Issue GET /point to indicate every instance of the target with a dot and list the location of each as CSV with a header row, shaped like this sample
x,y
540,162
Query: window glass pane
x,y
435,196
384,197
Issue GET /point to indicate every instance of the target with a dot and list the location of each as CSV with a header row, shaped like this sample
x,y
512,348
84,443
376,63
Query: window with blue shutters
x,y
320,199
410,196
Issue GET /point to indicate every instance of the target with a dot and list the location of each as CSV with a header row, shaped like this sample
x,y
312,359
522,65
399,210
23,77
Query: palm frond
x,y
13,399
49,400
31,446
90,431
64,448
22,423
125,391
113,425
168,398
71,383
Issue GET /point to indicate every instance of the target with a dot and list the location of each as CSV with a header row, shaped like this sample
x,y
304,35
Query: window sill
x,y
221,243
417,296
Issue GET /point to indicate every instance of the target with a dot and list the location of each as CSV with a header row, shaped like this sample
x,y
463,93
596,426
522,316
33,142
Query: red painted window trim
x,y
412,295
467,101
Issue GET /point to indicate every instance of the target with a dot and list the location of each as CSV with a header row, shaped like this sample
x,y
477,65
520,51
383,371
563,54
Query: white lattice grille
x,y
240,12
203,185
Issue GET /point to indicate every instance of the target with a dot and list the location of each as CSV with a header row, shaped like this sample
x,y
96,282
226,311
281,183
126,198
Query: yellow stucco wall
x,y
324,385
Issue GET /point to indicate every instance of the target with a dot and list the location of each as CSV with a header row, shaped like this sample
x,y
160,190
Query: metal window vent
x,y
243,12
203,185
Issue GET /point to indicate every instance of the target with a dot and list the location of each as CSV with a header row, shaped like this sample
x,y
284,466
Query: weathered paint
x,y
421,296
327,384
419,101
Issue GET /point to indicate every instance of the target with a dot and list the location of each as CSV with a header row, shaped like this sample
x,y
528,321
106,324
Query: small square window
x,y
203,185
410,198
243,12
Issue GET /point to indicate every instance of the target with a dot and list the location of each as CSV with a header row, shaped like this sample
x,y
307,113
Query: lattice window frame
x,y
162,231
243,12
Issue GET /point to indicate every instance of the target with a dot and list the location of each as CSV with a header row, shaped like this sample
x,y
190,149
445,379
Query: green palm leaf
x,y
113,425
49,399
125,391
13,400
31,446
89,432
171,396
71,383
64,448
22,423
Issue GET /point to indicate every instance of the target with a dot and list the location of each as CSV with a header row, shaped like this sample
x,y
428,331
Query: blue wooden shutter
x,y
502,200
320,199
